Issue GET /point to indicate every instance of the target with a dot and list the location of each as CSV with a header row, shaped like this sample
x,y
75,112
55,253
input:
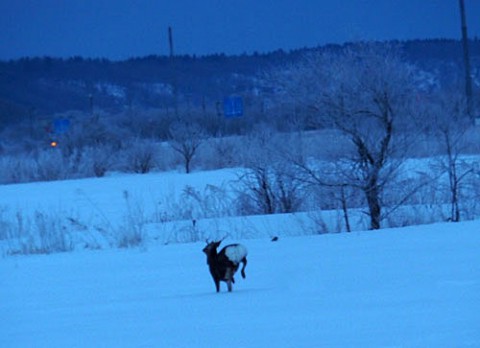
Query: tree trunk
x,y
455,209
374,206
345,209
265,187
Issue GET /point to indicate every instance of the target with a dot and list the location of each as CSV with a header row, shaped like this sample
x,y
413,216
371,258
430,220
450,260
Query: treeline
x,y
38,86
49,85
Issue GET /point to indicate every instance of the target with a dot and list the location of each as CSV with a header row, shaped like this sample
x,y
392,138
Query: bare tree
x,y
140,156
364,92
185,138
270,183
449,113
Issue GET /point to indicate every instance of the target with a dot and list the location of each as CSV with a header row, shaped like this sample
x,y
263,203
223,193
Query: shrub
x,y
132,232
41,233
140,156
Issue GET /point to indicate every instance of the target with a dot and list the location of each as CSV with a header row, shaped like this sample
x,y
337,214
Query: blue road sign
x,y
233,106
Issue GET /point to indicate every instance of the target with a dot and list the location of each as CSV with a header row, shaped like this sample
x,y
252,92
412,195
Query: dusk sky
x,y
120,29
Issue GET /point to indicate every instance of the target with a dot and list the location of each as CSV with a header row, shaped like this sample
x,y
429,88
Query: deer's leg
x,y
244,261
229,277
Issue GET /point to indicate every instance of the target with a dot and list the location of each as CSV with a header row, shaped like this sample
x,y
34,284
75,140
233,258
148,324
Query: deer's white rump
x,y
236,252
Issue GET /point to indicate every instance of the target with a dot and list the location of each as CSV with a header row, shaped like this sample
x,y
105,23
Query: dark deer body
x,y
225,263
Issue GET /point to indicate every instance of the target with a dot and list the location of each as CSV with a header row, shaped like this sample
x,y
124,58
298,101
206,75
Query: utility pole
x,y
174,71
466,59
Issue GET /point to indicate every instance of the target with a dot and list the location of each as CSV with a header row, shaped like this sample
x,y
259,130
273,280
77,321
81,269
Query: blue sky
x,y
119,29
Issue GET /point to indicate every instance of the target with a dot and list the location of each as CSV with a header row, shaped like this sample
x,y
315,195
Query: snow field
x,y
411,287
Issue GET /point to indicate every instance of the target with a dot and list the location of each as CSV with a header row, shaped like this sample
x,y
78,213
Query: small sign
x,y
233,106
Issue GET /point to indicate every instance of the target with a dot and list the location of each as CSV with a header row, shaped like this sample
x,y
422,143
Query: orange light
x,y
53,144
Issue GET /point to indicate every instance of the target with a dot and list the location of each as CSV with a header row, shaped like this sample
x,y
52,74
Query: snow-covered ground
x,y
417,286
410,287
163,205
96,200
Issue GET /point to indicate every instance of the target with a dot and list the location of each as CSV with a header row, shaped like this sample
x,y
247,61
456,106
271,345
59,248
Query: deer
x,y
224,264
